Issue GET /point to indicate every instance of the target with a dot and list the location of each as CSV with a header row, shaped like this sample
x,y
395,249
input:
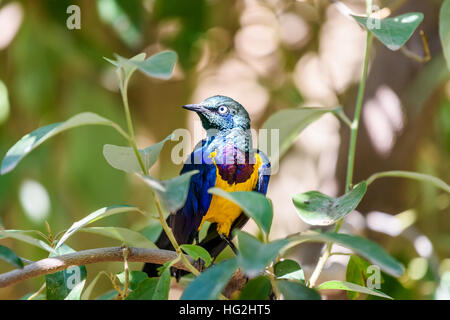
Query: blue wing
x,y
185,221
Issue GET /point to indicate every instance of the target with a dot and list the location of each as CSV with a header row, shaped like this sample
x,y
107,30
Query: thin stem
x,y
123,91
410,175
126,269
273,283
112,278
341,115
352,148
414,56
355,123
167,229
320,265
172,239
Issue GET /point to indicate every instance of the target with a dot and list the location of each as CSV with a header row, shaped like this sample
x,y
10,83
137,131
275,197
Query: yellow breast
x,y
222,211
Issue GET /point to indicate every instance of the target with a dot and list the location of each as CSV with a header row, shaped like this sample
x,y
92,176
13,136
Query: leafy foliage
x,y
197,252
24,235
145,290
123,158
289,269
290,123
263,261
295,290
67,284
135,278
211,282
258,288
254,255
95,216
35,138
173,192
368,249
343,285
255,206
316,208
8,255
356,273
392,32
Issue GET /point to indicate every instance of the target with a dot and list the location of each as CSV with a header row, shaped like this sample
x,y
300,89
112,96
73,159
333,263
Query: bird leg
x,y
231,244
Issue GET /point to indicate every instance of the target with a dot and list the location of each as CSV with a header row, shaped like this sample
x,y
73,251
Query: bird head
x,y
221,113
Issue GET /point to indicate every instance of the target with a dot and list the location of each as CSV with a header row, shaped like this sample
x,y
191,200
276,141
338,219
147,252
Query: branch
x,y
55,264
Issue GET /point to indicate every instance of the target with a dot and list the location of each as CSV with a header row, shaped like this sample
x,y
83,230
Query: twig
x,y
55,264
414,56
126,252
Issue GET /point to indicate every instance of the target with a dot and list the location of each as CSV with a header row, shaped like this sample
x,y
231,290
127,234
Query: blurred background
x,y
268,55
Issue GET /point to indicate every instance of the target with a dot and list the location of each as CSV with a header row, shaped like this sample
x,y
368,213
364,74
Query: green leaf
x,y
152,231
254,204
295,290
356,273
203,232
173,192
40,296
22,235
344,285
145,290
159,65
125,18
126,64
123,158
127,236
210,283
444,29
110,295
87,293
9,256
318,209
35,138
95,216
290,123
135,278
197,252
258,288
163,285
68,283
366,248
392,32
75,293
254,255
4,103
289,270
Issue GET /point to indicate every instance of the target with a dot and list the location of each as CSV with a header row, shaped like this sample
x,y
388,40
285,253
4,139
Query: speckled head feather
x,y
221,113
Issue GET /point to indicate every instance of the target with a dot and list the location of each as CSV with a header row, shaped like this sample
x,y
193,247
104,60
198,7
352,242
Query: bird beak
x,y
195,107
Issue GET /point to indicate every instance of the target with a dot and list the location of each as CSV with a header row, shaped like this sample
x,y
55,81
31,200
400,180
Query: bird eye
x,y
222,110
